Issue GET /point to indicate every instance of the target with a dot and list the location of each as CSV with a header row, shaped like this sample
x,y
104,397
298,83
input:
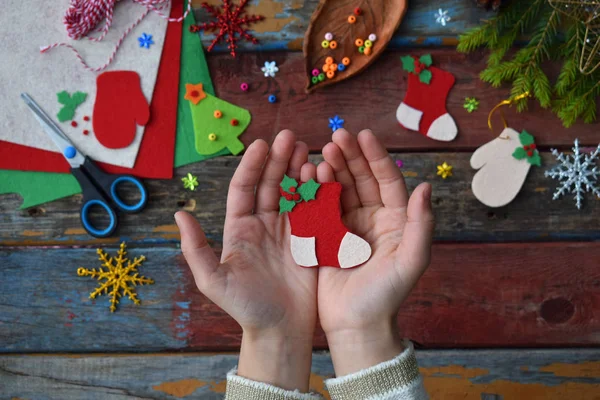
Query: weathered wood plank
x,y
370,100
473,295
286,21
532,216
500,374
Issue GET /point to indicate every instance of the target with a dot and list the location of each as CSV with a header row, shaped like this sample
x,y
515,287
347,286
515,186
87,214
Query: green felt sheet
x,y
194,69
38,187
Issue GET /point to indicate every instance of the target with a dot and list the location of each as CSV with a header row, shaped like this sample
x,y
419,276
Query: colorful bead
x,y
368,51
372,37
330,74
315,80
333,44
325,67
315,72
368,43
212,137
218,114
357,11
329,36
351,19
361,49
272,98
346,61
333,67
321,77
234,122
358,42
341,67
244,87
329,60
325,44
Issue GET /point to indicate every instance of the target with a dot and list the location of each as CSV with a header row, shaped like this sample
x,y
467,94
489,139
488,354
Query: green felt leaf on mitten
x,y
535,159
519,153
426,59
308,190
77,98
286,205
526,139
408,63
217,123
63,97
425,76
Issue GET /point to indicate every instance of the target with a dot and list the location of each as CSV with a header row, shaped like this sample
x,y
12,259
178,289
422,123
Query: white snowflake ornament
x,y
442,17
270,69
577,173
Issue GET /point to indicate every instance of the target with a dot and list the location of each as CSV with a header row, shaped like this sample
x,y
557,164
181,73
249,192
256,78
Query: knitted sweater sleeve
x,y
397,379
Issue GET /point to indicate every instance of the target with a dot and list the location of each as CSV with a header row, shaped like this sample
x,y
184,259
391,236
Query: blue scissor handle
x,y
88,225
119,202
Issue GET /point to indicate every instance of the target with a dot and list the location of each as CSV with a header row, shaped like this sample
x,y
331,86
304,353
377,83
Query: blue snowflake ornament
x,y
336,123
145,40
442,17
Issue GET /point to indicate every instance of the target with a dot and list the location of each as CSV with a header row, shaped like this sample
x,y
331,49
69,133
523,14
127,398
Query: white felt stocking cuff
x,y
239,388
397,379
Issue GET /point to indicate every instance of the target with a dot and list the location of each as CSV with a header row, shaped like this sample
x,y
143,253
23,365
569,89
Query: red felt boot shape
x,y
424,106
319,237
120,105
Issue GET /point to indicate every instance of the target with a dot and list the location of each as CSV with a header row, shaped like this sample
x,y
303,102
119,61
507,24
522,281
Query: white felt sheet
x,y
27,25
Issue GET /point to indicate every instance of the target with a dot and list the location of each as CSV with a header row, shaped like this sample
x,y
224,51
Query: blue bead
x,y
341,67
70,152
272,98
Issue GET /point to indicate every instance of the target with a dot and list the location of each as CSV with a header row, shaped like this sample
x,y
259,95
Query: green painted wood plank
x,y
501,374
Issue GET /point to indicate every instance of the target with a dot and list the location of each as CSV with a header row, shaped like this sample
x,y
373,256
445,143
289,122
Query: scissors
x,y
98,187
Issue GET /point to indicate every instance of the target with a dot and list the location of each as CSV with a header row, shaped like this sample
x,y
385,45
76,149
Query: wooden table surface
x,y
509,309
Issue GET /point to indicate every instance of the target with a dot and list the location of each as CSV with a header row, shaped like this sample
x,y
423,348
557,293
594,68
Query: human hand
x,y
256,281
358,307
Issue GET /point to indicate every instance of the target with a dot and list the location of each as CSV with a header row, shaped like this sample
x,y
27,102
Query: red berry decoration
x,y
532,146
358,11
86,118
297,197
74,124
292,189
530,153
235,122
85,132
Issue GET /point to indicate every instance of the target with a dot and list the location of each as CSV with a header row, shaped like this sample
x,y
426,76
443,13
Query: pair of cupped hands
x,y
277,302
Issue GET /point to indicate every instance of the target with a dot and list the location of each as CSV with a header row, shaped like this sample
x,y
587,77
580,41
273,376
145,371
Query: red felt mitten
x,y
120,106
424,106
319,237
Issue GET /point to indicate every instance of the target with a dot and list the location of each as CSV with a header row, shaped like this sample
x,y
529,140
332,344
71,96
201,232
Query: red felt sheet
x,y
156,154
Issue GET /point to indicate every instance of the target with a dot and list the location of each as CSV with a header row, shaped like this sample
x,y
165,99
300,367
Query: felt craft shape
x,y
379,17
217,123
69,104
319,238
501,174
154,161
44,75
193,69
424,106
120,106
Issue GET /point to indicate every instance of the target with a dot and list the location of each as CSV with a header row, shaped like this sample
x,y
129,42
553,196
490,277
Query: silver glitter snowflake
x,y
442,17
577,173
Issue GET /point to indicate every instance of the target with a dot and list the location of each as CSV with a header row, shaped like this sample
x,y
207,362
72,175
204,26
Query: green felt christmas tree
x,y
217,123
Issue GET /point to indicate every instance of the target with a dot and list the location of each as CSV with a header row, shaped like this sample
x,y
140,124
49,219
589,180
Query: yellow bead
x,y
212,137
368,43
325,44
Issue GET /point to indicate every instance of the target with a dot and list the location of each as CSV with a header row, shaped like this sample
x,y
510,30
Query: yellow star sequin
x,y
190,182
444,170
121,276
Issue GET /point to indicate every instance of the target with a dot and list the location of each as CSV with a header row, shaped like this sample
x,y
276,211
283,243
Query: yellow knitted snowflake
x,y
121,276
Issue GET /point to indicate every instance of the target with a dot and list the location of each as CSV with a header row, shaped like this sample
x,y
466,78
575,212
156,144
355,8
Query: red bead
x,y
357,11
86,118
85,131
74,124
532,146
526,147
292,189
235,122
529,153
297,196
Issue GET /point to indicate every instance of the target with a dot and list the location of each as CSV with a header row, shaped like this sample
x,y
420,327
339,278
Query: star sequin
x,y
336,123
444,170
145,40
442,17
190,182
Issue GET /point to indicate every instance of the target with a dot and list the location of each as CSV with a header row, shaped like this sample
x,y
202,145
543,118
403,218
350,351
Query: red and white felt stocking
x,y
319,237
424,106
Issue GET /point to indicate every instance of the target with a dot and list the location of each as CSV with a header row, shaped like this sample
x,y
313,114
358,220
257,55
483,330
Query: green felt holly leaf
x,y
308,190
286,205
63,97
77,98
66,113
426,59
526,139
519,153
287,183
408,63
535,159
425,76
